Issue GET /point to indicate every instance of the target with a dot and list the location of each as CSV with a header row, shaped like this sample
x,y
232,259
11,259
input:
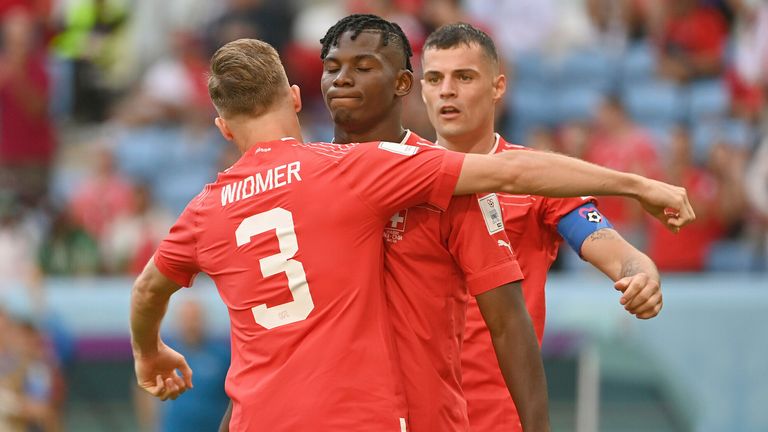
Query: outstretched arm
x,y
633,272
155,362
555,175
518,353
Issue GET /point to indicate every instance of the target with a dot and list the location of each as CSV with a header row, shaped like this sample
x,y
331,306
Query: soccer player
x,y
433,259
290,234
461,86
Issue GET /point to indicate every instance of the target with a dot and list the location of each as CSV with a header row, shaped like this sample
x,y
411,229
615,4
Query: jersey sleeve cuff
x,y
449,176
180,278
494,277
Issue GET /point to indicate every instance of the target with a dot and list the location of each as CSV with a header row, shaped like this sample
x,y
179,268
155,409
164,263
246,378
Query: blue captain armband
x,y
580,223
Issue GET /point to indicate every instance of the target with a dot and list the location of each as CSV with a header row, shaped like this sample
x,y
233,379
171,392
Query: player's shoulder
x,y
326,149
504,145
413,139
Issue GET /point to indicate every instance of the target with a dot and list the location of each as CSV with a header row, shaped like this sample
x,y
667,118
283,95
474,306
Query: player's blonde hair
x,y
246,78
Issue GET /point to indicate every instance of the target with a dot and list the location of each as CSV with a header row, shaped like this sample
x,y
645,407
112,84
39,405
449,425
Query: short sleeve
x,y
176,257
391,176
554,209
479,244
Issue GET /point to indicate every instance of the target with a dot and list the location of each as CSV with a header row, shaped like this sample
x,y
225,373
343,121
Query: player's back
x,y
294,247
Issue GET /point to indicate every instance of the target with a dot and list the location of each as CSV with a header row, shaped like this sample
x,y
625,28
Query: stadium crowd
x,y
106,127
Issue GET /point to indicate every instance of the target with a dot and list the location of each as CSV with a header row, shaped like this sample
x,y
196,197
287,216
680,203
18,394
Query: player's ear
x,y
296,96
499,87
404,82
224,129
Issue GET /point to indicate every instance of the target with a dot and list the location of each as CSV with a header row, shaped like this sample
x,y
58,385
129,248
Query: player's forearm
x,y
148,306
617,258
519,356
518,353
551,174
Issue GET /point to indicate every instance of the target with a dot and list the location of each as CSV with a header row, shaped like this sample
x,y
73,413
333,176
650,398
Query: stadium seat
x,y
577,103
533,69
532,104
654,101
142,152
638,63
587,68
707,99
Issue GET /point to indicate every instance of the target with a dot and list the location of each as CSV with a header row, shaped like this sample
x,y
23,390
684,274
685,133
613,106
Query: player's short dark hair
x,y
452,35
246,78
358,23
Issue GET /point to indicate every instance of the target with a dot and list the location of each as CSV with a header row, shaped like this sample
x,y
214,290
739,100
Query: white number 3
x,y
281,221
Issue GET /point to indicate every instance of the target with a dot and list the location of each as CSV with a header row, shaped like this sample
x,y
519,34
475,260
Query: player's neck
x,y
391,130
265,128
469,143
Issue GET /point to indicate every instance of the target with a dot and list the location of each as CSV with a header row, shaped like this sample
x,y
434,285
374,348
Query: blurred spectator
x,y
748,78
268,20
201,408
517,26
12,374
716,197
153,23
43,383
541,139
574,139
619,143
101,198
30,385
68,249
18,245
692,41
26,134
757,195
91,41
437,13
130,240
177,83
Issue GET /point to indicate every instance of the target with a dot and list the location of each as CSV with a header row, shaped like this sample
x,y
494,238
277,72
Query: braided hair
x,y
357,23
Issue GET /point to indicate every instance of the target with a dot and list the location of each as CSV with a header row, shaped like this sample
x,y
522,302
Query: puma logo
x,y
502,243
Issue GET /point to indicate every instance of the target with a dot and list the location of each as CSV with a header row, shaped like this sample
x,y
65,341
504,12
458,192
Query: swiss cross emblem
x,y
397,221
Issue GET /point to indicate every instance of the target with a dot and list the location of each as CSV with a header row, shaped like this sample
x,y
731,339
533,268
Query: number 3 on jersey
x,y
281,221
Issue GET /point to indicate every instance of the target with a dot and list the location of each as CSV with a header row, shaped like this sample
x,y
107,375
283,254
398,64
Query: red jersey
x,y
291,236
433,260
531,225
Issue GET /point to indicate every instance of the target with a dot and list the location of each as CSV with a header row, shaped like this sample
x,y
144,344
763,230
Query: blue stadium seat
x,y
175,189
654,102
588,68
704,135
532,104
707,99
739,134
662,135
142,152
638,63
577,103
533,68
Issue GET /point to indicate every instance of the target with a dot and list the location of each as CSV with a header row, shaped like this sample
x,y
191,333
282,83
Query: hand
x,y
157,373
642,295
667,203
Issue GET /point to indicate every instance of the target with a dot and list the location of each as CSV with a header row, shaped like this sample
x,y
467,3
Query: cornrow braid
x,y
358,23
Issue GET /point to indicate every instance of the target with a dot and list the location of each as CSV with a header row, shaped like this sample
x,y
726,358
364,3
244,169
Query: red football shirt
x,y
433,260
531,225
291,236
